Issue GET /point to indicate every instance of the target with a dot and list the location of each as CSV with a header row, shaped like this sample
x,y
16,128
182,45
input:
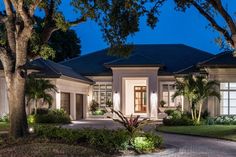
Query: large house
x,y
141,84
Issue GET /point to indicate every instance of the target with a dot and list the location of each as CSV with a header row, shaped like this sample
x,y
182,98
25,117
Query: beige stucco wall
x,y
135,72
222,75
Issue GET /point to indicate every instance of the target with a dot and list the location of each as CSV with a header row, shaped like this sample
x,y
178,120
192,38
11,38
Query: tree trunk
x,y
234,46
16,99
35,106
200,111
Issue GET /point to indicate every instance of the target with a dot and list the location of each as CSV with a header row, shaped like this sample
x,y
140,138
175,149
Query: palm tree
x,y
196,89
186,88
37,89
205,89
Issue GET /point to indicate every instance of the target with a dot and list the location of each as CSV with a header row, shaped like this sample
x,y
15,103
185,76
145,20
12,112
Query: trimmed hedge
x,y
50,116
109,141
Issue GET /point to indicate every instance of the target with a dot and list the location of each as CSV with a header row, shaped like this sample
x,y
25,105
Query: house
x,y
136,84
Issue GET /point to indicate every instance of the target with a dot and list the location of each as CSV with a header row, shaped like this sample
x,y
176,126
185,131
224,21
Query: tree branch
x,y
217,4
6,59
10,26
214,23
33,6
78,21
3,18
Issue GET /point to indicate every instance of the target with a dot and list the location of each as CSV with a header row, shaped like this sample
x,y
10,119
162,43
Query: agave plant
x,y
133,124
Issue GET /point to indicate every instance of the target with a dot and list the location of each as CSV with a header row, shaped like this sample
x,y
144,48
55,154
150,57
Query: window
x,y
102,93
228,98
140,99
168,89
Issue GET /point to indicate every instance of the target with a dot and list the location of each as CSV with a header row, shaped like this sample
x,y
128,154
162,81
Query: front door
x,y
140,105
79,106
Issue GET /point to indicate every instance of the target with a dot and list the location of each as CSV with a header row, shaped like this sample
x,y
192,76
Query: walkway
x,y
181,146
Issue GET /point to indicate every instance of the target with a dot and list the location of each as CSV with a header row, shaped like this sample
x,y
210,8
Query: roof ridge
x,y
214,57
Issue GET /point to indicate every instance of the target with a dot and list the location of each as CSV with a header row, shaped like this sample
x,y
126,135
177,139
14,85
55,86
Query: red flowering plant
x,y
133,124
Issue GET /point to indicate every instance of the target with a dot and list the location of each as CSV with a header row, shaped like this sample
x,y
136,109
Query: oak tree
x,y
23,40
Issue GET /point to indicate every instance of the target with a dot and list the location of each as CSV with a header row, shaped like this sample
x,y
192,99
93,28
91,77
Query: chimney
x,y
234,39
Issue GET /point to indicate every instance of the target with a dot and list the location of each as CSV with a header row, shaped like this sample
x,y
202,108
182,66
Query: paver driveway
x,y
184,146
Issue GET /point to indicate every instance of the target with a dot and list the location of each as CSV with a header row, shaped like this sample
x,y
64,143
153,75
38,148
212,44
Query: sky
x,y
174,27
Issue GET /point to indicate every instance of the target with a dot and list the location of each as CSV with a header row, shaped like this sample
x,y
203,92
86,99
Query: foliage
x,y
37,89
147,142
53,116
31,119
162,103
94,105
66,44
196,89
225,120
119,19
99,112
212,11
109,141
109,103
132,124
176,118
4,118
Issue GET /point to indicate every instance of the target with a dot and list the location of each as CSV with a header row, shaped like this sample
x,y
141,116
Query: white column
x,y
152,84
58,100
73,106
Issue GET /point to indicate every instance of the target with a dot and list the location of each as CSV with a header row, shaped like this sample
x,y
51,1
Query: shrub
x,y
109,141
176,114
168,112
4,118
184,120
99,112
225,120
41,111
131,124
94,106
146,142
53,116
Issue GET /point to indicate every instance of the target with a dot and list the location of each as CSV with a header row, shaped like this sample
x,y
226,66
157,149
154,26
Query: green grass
x,y
4,126
227,132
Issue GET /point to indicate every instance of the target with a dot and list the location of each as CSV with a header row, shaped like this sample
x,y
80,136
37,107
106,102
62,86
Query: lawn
x,y
227,132
4,126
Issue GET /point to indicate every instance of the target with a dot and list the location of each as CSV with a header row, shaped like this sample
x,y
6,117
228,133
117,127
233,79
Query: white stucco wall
x,y
221,75
135,72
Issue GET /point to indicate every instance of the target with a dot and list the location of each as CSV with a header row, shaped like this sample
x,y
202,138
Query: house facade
x,y
141,84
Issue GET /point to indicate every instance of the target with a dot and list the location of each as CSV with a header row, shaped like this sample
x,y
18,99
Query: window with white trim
x,y
228,98
167,91
102,93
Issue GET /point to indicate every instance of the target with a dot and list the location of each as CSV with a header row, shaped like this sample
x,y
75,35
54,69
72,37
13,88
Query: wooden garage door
x,y
65,102
79,106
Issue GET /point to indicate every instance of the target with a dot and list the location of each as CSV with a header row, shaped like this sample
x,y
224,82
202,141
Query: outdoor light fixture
x,y
31,130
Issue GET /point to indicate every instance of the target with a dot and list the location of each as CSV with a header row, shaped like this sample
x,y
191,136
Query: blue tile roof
x,y
172,58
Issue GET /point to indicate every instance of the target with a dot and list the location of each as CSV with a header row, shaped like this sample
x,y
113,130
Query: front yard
x,y
227,132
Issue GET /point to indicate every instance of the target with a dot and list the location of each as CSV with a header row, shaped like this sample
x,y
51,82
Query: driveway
x,y
177,145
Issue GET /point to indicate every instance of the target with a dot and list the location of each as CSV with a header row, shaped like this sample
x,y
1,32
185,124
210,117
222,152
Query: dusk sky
x,y
188,28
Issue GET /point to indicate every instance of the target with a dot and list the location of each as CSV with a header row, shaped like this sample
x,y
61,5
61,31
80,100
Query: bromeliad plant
x,y
133,124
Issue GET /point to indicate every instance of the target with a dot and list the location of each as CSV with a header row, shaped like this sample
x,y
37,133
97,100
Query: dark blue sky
x,y
174,27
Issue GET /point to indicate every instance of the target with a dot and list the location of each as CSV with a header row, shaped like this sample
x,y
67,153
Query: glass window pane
x,y
96,87
232,110
224,95
102,87
165,87
224,86
232,86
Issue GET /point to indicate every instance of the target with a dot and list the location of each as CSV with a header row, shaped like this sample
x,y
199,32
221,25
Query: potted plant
x,y
162,106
